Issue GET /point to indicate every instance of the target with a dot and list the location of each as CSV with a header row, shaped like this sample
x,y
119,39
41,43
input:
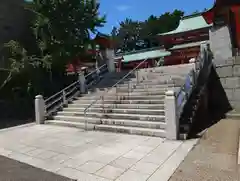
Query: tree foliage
x,y
60,31
62,27
136,35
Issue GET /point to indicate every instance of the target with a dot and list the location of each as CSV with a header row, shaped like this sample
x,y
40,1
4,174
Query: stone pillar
x,y
39,109
193,61
82,82
220,43
110,60
172,124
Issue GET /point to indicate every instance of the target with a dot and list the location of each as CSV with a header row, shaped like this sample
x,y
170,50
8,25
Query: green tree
x,y
62,27
134,34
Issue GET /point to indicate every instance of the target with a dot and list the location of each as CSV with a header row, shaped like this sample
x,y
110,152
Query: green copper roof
x,y
145,55
187,45
189,23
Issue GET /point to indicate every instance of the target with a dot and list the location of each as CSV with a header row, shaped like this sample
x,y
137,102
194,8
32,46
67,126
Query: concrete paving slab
x,y
145,167
82,155
91,167
110,172
133,176
214,158
123,162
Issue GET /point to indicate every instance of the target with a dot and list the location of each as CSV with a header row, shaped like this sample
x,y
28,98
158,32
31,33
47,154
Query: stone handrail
x,y
45,108
185,91
176,101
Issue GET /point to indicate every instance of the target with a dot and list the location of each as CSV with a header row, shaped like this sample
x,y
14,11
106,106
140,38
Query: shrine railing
x,y
176,101
196,77
63,97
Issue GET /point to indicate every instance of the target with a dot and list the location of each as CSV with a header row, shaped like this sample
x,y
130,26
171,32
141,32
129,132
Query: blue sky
x,y
118,10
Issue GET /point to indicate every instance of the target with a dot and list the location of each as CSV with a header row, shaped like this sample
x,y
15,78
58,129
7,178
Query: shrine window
x,y
191,37
179,38
204,34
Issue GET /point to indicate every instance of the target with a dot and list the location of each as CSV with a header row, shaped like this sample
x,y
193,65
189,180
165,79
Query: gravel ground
x,y
215,157
11,170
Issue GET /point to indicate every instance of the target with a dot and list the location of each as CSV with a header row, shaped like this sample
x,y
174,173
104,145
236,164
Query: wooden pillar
x,y
236,11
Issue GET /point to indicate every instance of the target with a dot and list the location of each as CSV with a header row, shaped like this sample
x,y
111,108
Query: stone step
x,y
123,97
154,85
80,119
162,76
233,115
142,88
80,125
147,89
132,130
154,81
142,117
118,110
130,93
108,121
160,101
123,106
148,82
134,123
159,77
172,69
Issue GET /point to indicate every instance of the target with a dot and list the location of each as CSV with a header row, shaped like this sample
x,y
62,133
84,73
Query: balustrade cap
x,y
39,97
192,60
170,93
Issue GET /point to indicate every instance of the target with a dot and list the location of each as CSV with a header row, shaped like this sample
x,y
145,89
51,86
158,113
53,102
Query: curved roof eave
x,y
189,23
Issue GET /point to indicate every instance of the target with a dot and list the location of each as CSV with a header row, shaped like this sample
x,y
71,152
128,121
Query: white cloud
x,y
123,7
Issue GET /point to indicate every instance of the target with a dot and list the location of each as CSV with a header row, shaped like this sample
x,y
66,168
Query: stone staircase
x,y
139,111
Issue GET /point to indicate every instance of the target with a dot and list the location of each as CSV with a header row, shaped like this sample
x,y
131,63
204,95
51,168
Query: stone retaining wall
x,y
229,74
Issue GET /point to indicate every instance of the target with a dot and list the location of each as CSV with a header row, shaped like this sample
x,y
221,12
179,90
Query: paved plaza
x,y
97,156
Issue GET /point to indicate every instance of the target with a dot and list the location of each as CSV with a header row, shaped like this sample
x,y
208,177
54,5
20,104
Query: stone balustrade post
x,y
110,60
82,82
193,61
172,122
39,109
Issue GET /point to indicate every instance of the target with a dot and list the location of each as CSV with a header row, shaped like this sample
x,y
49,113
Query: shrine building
x,y
184,42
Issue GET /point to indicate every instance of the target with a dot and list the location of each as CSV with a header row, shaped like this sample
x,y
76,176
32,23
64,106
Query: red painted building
x,y
226,13
100,43
184,42
130,60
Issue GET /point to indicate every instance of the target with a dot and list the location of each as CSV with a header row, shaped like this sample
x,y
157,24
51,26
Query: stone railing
x,y
45,108
175,101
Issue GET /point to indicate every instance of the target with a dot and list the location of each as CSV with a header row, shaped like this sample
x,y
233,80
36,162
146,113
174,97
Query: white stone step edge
x,y
150,85
160,87
80,125
118,122
114,109
121,101
125,97
138,106
125,93
132,130
64,113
